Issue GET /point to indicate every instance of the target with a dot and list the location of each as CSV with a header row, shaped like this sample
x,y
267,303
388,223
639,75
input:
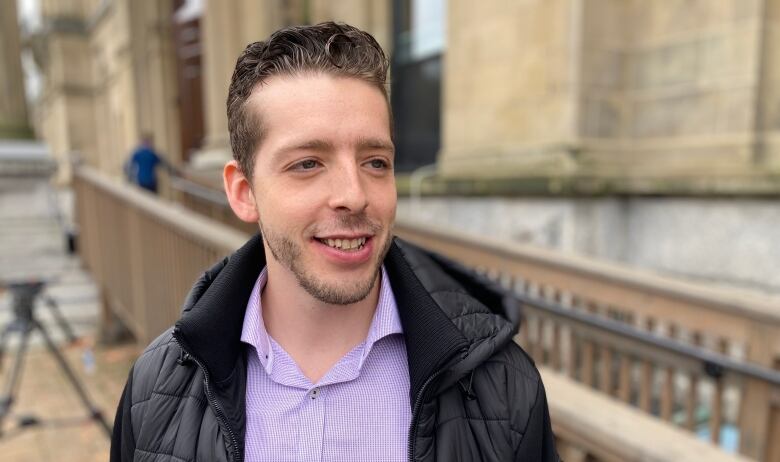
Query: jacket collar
x,y
431,338
211,324
213,316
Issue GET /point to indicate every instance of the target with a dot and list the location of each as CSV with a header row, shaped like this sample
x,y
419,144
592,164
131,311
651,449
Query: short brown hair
x,y
336,49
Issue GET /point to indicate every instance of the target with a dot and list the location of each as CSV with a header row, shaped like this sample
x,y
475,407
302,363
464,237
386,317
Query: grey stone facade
x,y
730,242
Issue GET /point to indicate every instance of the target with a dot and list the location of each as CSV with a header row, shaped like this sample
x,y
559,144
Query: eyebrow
x,y
323,145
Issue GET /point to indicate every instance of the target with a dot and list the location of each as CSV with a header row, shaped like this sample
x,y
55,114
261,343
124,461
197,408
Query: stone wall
x,y
683,97
729,242
617,88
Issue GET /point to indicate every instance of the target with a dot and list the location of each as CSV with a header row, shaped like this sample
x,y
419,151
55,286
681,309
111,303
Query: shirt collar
x,y
253,331
385,322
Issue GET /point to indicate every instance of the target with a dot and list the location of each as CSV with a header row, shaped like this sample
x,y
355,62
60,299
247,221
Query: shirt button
x,y
315,393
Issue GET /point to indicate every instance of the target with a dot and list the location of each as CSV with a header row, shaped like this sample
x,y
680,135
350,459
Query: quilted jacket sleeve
x,y
538,443
122,439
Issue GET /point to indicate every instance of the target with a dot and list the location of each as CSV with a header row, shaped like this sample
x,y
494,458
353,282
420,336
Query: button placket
x,y
312,426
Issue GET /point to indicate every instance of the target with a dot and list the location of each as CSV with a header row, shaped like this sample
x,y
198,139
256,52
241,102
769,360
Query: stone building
x,y
651,95
14,122
115,70
600,94
644,132
108,77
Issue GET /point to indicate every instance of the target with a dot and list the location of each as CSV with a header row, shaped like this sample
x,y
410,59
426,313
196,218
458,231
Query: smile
x,y
344,244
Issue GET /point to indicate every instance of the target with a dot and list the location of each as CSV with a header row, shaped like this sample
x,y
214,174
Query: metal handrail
x,y
188,186
713,362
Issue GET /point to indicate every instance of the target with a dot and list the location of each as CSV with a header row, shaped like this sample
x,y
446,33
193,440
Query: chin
x,y
338,293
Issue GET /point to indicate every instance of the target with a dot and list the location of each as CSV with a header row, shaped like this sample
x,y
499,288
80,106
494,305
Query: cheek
x,y
288,211
386,199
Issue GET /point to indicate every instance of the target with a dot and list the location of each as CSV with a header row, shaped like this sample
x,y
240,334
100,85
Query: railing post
x,y
773,436
756,406
570,452
135,270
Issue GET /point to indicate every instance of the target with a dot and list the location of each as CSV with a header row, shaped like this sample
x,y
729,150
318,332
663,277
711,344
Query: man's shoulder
x,y
514,358
523,380
155,355
159,367
519,394
143,151
161,345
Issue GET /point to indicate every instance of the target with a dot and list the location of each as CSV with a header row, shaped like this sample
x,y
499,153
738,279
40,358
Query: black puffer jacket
x,y
475,395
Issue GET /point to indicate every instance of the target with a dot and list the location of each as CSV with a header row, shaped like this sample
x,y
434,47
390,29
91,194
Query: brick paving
x,y
66,433
34,218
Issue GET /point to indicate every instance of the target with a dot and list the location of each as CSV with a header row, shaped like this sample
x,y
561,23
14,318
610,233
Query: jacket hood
x,y
452,318
485,316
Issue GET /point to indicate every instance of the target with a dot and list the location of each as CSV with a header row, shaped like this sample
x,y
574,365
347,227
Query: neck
x,y
315,334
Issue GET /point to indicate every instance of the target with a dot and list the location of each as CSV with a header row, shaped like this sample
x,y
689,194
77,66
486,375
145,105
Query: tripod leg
x,y
3,340
61,321
12,385
74,380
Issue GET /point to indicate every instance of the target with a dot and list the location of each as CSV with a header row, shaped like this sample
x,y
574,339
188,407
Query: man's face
x,y
323,182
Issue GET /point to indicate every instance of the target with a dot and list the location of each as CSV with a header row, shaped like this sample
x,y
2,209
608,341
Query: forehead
x,y
321,105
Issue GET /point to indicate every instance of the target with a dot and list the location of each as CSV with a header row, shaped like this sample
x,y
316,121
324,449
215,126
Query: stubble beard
x,y
288,253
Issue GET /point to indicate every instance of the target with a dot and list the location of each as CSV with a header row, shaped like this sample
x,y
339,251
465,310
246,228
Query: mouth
x,y
344,244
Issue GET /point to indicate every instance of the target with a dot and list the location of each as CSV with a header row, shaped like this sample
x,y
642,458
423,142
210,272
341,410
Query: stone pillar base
x,y
210,158
18,132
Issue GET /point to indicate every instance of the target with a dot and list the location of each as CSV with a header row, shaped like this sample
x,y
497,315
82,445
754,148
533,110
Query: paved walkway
x,y
32,245
67,435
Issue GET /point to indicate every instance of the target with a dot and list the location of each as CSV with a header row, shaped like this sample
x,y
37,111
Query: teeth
x,y
345,244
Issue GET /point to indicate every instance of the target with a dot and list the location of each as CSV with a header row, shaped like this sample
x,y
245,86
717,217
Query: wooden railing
x,y
196,195
144,254
669,349
700,358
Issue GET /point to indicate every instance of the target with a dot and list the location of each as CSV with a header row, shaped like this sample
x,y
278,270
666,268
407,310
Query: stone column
x,y
767,137
227,28
13,105
154,75
372,16
510,92
64,112
220,41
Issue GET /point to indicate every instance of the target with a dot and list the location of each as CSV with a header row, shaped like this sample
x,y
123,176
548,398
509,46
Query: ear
x,y
239,193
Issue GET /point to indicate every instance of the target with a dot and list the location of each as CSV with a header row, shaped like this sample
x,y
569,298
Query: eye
x,y
379,164
306,164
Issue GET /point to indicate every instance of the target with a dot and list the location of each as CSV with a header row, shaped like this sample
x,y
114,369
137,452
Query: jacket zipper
x,y
213,402
416,411
419,399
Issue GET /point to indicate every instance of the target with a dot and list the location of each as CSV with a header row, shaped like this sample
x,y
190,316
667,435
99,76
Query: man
x,y
141,167
328,339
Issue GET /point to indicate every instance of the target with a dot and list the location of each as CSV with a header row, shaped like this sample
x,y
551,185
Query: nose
x,y
348,190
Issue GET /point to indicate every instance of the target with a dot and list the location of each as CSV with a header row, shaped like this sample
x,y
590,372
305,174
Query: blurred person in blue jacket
x,y
141,167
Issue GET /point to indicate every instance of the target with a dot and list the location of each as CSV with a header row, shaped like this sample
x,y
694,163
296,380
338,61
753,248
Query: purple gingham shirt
x,y
358,411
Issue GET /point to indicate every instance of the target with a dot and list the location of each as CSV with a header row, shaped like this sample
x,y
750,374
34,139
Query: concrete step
x,y
33,246
76,298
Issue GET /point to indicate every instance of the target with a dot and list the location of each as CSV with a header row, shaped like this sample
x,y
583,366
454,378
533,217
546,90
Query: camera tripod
x,y
24,322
